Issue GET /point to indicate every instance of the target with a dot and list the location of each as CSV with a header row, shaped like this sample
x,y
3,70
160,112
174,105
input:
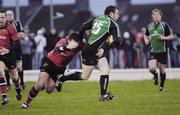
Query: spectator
x,y
128,50
33,49
26,45
41,44
51,38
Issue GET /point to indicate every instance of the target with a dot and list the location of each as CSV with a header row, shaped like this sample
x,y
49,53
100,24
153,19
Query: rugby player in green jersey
x,y
156,35
101,28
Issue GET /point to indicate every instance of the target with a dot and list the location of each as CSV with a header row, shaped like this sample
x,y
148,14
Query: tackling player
x,y
54,64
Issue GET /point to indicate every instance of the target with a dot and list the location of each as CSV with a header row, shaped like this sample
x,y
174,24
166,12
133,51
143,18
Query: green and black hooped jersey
x,y
154,31
101,27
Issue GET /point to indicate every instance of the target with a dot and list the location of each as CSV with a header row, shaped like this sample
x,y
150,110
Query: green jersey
x,y
101,27
154,31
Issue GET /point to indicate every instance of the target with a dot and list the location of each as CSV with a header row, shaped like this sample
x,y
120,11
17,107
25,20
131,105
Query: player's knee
x,y
40,86
49,88
106,72
152,70
49,91
13,73
19,69
162,70
1,74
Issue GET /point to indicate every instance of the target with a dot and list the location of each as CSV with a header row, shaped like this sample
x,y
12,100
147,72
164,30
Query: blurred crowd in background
x,y
133,54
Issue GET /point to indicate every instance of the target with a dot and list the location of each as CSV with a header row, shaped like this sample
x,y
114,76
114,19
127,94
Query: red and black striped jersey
x,y
63,58
8,34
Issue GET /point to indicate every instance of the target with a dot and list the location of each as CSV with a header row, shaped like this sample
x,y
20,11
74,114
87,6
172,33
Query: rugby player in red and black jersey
x,y
17,48
54,65
8,35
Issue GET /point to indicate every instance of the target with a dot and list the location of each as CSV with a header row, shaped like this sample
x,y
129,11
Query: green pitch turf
x,y
81,98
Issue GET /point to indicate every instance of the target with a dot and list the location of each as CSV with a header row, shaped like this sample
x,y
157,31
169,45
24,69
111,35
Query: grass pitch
x,y
81,98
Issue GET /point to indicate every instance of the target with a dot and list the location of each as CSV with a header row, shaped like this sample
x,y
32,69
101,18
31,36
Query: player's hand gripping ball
x,y
110,40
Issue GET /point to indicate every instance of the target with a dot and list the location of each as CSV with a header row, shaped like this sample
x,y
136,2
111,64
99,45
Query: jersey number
x,y
96,27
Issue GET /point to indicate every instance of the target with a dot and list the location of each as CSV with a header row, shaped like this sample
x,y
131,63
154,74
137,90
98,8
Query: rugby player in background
x,y
156,35
17,48
8,35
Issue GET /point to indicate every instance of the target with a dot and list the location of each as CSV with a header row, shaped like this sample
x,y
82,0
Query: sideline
x,y
116,74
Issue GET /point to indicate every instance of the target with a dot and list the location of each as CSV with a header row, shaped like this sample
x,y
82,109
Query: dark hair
x,y
109,9
2,11
74,36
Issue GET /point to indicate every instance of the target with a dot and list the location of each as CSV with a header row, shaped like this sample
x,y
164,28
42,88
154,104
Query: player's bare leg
x,y
7,76
39,85
104,79
162,76
15,80
152,68
50,85
20,73
86,71
3,84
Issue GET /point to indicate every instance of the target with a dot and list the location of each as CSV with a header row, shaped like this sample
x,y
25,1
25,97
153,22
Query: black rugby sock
x,y
154,73
32,94
104,80
163,78
7,77
16,83
21,74
73,76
